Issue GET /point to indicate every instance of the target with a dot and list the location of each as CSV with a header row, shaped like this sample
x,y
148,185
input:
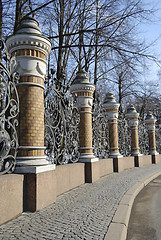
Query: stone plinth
x,y
11,196
120,164
39,190
143,160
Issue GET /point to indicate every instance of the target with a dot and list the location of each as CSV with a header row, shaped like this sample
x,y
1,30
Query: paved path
x,y
145,220
83,213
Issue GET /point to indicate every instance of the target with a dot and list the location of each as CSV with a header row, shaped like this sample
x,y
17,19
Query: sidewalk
x,y
83,213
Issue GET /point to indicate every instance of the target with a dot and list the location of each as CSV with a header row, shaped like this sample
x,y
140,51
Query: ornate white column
x,y
132,118
83,89
31,50
150,125
111,110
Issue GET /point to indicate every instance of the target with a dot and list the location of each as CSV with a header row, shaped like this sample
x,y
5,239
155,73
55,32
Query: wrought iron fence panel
x,y
143,137
100,132
124,137
9,109
158,138
61,127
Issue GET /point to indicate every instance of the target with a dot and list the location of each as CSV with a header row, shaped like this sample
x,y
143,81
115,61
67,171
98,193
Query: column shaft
x,y
85,133
134,139
113,135
152,143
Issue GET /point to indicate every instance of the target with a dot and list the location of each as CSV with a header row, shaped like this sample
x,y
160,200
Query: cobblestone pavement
x,y
83,213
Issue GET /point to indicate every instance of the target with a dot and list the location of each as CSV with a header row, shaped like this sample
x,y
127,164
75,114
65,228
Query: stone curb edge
x,y
119,224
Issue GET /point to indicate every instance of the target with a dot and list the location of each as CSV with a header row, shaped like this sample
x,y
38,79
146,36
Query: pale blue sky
x,y
150,32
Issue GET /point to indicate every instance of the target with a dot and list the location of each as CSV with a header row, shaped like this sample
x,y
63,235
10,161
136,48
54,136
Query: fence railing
x,y
62,122
9,109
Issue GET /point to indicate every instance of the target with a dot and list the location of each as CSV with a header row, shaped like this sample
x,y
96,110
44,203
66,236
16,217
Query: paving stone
x,y
83,213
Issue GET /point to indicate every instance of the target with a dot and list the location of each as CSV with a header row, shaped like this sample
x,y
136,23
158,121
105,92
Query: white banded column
x,y
150,125
83,89
132,118
111,110
31,49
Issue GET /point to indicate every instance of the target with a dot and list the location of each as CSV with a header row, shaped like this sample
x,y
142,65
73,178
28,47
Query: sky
x,y
151,33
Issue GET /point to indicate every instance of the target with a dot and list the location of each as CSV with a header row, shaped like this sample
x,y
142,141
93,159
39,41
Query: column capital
x,y
30,47
111,106
150,122
28,36
83,89
132,116
81,83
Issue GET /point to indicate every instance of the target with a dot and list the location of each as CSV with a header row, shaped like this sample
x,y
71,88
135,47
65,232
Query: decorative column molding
x,y
150,125
132,118
83,89
31,50
111,110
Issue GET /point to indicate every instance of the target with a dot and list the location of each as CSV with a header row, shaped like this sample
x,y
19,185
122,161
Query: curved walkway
x,y
85,212
145,218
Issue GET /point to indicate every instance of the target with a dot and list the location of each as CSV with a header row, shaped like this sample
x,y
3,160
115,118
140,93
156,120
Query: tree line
x,y
98,36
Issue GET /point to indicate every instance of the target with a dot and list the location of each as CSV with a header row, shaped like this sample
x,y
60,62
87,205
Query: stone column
x,y
150,125
31,50
132,118
111,109
83,89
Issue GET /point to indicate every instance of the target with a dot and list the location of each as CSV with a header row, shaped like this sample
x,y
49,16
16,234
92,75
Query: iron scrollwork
x,y
61,127
9,109
124,138
100,131
143,137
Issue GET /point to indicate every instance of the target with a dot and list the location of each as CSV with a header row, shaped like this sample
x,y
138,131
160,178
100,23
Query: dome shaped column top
x,y
28,36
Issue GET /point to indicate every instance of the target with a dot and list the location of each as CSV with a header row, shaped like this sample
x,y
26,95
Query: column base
x,y
88,158
115,155
34,169
136,154
153,153
31,161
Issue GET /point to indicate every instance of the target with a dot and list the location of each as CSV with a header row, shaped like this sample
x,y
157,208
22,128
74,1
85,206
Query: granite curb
x,y
119,224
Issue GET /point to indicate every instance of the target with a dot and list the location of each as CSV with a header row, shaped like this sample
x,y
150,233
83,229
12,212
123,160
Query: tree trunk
x,y
120,91
18,15
60,52
96,53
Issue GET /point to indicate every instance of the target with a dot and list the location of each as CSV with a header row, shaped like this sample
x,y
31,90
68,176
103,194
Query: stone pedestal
x,y
39,190
142,160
